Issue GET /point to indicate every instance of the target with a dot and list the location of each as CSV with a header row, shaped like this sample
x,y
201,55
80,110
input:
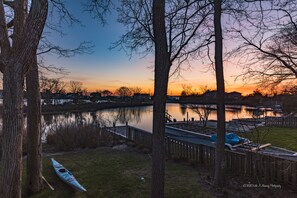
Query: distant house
x,y
233,95
141,97
95,96
71,95
210,95
173,98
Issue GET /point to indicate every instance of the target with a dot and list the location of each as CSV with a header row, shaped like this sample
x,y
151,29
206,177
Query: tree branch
x,y
33,30
9,3
83,48
4,39
65,15
98,8
10,24
270,54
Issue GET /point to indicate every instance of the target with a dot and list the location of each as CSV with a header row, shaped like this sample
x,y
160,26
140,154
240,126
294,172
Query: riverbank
x,y
86,107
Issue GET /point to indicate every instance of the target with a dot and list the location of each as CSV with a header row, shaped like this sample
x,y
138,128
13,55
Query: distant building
x,y
210,95
173,98
71,95
233,95
141,97
95,96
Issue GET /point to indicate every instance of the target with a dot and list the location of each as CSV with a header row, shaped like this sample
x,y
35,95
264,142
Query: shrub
x,y
70,136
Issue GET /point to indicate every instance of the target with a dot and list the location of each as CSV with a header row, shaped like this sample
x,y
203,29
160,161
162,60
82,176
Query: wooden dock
x,y
261,167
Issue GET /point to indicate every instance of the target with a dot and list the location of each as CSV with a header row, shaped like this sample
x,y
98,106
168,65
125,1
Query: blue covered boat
x,y
67,176
230,138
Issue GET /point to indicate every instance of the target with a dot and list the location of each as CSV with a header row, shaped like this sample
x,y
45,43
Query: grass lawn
x,y
109,173
277,136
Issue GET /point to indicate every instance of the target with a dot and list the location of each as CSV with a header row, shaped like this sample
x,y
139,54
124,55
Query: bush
x,y
71,136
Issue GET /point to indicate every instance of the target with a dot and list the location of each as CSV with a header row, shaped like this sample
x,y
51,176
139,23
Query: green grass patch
x,y
108,173
277,136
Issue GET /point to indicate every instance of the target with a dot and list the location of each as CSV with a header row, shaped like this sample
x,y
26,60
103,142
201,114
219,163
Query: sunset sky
x,y
110,69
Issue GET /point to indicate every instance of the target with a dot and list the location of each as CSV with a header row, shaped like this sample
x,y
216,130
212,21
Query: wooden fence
x,y
139,137
264,168
281,121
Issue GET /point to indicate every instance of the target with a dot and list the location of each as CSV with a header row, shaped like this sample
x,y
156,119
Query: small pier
x,y
171,132
193,147
194,137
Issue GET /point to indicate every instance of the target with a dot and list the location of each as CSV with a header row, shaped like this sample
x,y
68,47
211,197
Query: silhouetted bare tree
x,y
51,86
75,86
19,40
203,112
135,90
98,8
188,90
123,91
162,68
34,146
219,178
268,31
106,93
170,35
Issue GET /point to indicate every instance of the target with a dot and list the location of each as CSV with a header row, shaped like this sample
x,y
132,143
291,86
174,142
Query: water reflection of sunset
x,y
141,117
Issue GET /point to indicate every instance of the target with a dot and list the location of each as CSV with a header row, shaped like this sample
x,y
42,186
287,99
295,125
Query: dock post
x,y
248,163
168,147
201,154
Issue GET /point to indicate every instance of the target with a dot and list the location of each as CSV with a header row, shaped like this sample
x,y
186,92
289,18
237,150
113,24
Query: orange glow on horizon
x,y
172,88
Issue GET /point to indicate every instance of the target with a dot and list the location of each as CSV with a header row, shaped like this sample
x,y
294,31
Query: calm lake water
x,y
141,117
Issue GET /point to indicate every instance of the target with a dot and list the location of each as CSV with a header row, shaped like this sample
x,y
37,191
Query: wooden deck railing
x,y
264,168
281,121
140,137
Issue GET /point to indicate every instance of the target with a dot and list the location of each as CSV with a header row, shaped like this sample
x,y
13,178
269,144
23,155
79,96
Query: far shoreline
x,y
89,107
92,107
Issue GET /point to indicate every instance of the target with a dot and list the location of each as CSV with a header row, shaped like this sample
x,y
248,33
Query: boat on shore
x,y
230,138
66,176
195,134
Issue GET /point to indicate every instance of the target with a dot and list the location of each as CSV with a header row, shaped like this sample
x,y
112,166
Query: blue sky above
x,y
111,68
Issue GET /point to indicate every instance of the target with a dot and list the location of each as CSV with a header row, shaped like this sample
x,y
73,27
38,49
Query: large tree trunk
x,y
34,146
162,66
16,52
13,83
221,128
